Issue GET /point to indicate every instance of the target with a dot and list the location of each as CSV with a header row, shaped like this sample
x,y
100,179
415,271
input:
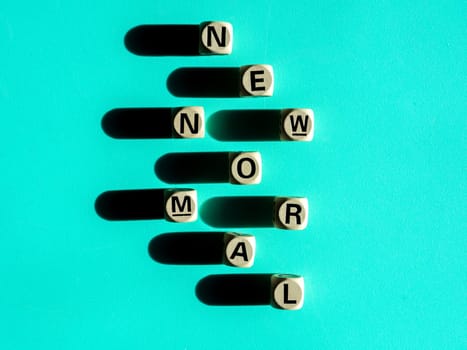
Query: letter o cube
x,y
245,168
239,249
290,213
181,205
287,291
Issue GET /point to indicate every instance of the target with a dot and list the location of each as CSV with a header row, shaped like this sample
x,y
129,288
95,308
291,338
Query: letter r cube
x,y
290,213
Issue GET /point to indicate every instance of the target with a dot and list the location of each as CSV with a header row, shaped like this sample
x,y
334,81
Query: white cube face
x,y
239,249
287,291
181,205
291,213
216,38
188,122
297,124
245,168
257,80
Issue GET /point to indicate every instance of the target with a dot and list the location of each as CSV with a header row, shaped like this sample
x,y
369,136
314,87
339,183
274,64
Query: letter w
x,y
299,122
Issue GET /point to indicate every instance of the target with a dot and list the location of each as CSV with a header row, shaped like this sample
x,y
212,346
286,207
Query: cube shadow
x,y
131,204
235,289
163,40
204,82
245,125
188,248
138,123
193,167
238,211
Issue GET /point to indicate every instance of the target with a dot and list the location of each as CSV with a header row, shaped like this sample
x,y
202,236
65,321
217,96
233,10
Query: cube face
x,y
181,205
245,168
291,213
188,122
287,291
257,80
297,124
216,38
240,249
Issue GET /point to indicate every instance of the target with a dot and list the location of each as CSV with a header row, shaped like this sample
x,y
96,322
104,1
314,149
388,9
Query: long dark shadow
x,y
235,289
238,211
204,82
188,248
245,125
138,123
195,167
131,204
163,40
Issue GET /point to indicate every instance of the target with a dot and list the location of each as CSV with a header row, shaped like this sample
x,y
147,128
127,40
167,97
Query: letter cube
x,y
257,80
288,291
297,124
290,213
216,38
239,249
181,205
245,168
188,122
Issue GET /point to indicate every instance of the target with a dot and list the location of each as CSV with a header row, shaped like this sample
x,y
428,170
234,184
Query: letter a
x,y
240,250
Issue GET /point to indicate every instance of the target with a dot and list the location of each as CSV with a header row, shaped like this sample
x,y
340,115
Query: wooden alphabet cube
x,y
288,291
216,38
181,205
245,168
297,124
257,80
239,249
188,122
290,213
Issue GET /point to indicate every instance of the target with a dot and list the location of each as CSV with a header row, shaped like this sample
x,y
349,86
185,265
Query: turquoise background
x,y
384,254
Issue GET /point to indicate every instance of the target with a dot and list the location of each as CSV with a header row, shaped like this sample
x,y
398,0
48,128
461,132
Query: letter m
x,y
180,207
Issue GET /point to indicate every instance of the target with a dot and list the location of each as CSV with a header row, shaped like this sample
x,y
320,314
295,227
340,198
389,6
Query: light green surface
x,y
384,256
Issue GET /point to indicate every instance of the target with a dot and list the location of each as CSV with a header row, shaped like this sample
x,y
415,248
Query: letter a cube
x,y
239,249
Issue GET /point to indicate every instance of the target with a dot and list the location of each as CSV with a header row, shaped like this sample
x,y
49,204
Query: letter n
x,y
185,119
221,42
